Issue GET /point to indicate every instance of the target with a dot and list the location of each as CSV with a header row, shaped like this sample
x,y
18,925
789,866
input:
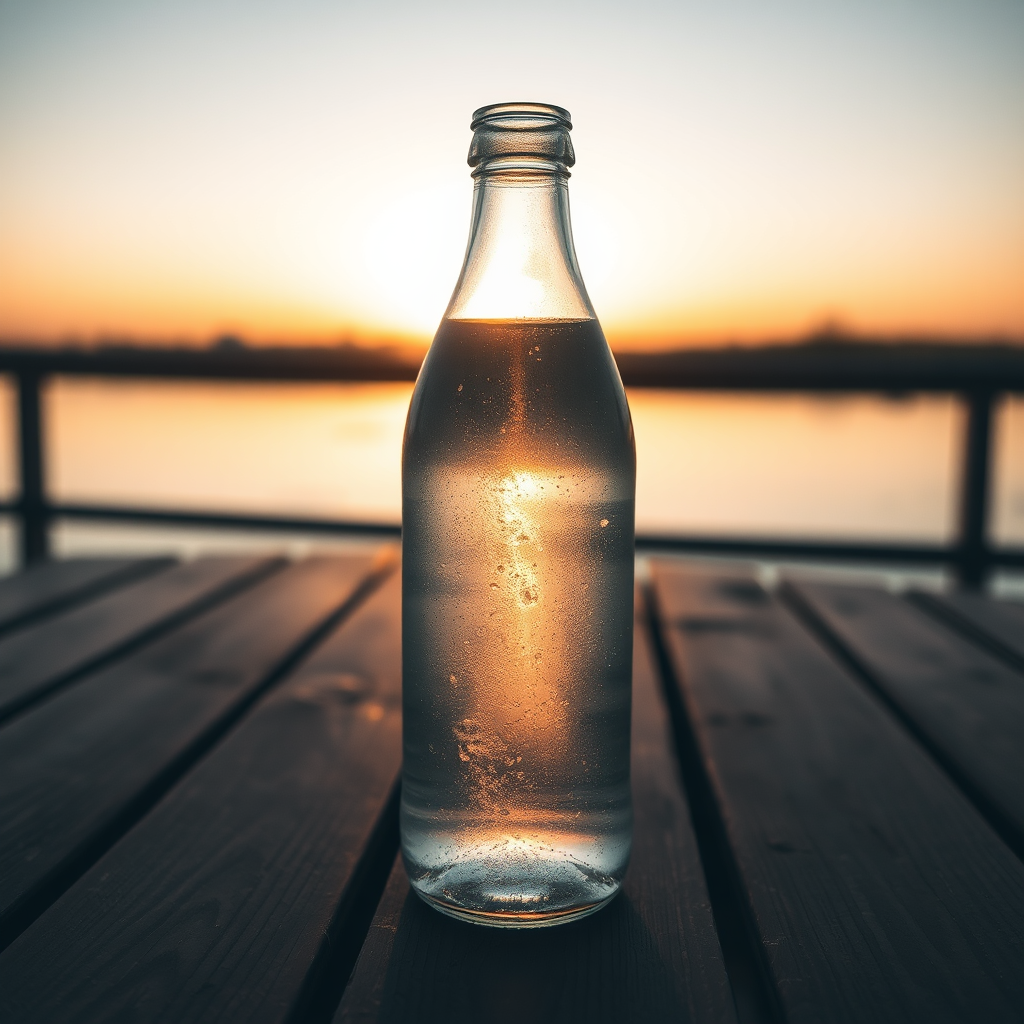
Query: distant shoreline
x,y
821,362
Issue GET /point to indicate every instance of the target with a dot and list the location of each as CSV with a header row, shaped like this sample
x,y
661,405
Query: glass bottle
x,y
518,482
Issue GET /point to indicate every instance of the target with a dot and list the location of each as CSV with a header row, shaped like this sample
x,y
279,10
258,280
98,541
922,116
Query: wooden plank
x,y
651,955
963,703
214,907
51,587
78,770
877,891
996,625
44,656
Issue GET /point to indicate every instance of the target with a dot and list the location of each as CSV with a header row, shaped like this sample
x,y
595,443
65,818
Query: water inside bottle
x,y
517,622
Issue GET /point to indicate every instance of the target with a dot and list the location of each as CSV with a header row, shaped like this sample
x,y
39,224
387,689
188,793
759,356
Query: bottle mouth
x,y
521,138
519,116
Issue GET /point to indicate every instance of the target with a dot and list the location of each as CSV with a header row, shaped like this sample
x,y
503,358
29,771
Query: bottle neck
x,y
520,262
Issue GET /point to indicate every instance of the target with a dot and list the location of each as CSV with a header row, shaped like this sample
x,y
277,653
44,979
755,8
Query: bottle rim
x,y
523,115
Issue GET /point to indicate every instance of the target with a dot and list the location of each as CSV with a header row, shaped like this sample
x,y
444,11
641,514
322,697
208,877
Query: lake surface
x,y
707,463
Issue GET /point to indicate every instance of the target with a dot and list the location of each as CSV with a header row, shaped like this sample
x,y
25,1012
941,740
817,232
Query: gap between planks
x,y
757,1001
245,894
652,954
53,587
877,890
960,702
41,659
145,722
996,626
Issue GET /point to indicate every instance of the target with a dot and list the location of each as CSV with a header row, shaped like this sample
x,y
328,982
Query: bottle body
x,y
518,492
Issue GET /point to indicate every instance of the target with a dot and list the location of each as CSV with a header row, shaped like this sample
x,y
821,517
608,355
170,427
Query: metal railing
x,y
979,375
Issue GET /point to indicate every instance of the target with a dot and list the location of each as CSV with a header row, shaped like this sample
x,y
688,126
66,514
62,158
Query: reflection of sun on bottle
x,y
519,534
531,713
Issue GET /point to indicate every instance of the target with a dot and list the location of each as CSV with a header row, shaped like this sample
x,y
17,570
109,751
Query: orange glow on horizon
x,y
57,285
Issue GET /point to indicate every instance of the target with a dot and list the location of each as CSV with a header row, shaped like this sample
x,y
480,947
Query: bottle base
x,y
515,881
514,918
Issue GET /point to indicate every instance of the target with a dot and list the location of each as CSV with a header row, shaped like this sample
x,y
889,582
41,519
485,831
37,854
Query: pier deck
x,y
199,768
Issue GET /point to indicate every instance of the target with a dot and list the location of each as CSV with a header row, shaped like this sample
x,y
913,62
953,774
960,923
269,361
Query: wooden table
x,y
198,817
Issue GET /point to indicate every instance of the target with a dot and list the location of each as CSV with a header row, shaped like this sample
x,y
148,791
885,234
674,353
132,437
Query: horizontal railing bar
x,y
845,366
768,547
841,367
825,550
232,520
286,365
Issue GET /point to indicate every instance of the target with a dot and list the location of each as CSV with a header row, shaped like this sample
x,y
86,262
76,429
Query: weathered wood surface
x,y
964,703
53,586
997,625
40,658
216,905
198,821
651,955
878,893
77,770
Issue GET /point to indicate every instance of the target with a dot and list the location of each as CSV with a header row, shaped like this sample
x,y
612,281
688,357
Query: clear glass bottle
x,y
518,482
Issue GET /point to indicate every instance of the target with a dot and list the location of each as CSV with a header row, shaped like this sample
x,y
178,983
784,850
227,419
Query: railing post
x,y
32,505
973,559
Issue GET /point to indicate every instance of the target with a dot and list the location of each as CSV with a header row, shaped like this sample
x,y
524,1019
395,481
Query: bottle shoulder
x,y
546,386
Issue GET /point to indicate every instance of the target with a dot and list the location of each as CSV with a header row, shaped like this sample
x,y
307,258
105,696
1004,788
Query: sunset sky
x,y
296,171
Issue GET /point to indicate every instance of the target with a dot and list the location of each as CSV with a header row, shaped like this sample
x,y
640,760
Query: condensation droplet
x,y
604,522
452,680
460,387
530,595
494,586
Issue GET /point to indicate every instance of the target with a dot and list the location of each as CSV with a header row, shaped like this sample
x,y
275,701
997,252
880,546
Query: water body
x,y
797,466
